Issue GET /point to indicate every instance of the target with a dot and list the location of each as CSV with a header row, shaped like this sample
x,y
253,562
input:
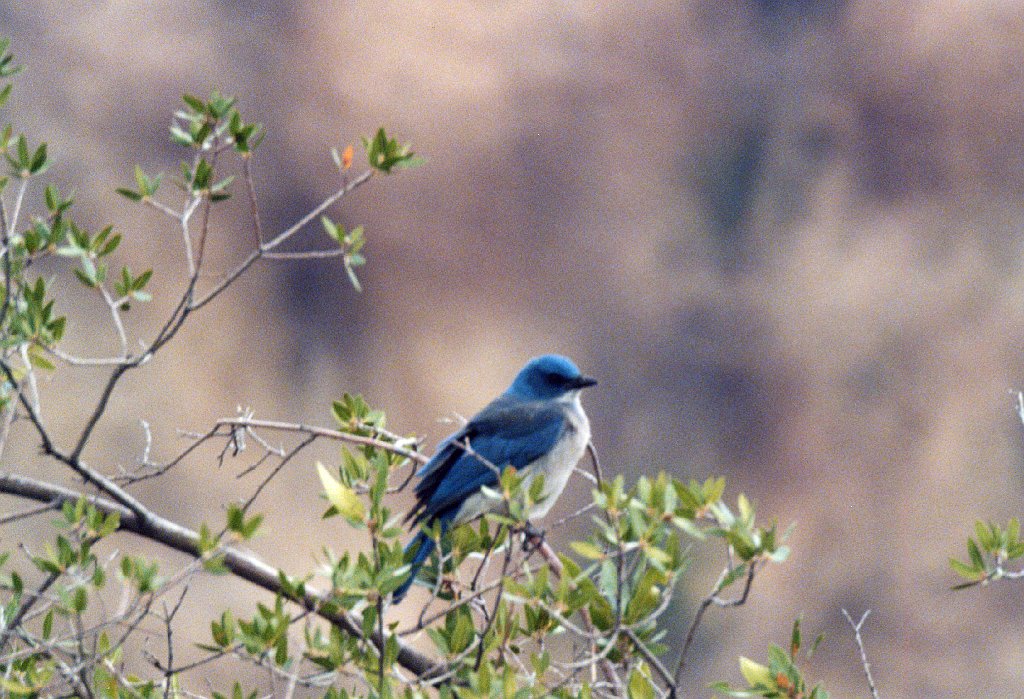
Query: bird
x,y
536,426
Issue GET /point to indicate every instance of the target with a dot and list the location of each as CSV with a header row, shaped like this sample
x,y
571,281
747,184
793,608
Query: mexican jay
x,y
537,426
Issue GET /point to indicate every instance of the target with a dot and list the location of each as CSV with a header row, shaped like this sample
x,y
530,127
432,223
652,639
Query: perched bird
x,y
536,426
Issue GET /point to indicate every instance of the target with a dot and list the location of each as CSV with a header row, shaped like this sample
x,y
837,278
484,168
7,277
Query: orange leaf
x,y
346,157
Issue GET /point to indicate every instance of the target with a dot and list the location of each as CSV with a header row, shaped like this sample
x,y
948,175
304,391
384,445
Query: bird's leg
x,y
533,537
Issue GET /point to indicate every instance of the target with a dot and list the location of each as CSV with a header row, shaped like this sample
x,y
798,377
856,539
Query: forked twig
x,y
856,626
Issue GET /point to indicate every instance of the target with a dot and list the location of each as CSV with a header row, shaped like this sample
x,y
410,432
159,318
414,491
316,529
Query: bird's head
x,y
549,377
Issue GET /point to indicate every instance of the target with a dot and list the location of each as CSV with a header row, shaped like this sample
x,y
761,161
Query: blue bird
x,y
537,426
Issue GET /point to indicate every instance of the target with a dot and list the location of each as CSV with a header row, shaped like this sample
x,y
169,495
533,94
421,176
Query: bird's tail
x,y
416,553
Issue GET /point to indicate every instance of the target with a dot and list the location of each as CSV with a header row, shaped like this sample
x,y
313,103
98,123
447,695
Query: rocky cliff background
x,y
786,236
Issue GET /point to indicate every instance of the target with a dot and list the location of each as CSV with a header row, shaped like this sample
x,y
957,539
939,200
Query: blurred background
x,y
785,236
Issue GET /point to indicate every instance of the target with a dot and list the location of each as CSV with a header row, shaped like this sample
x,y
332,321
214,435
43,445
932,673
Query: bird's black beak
x,y
583,381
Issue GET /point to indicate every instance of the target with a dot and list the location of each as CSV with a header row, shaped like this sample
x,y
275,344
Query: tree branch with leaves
x,y
504,611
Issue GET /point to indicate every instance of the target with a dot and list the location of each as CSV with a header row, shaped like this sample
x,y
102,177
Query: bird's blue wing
x,y
508,432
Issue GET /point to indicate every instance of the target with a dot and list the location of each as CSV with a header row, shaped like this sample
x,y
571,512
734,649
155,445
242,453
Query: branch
x,y
607,669
275,242
18,199
25,607
711,599
860,646
311,430
243,565
88,474
254,209
181,312
651,659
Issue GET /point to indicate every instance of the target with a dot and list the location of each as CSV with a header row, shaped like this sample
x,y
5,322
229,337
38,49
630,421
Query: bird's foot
x,y
533,537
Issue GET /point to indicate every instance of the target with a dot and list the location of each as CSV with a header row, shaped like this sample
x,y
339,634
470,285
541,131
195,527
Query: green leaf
x,y
80,599
16,688
587,550
386,154
85,278
352,278
975,554
180,136
966,571
194,102
23,159
984,535
110,246
640,686
39,162
343,498
462,632
755,674
332,229
39,361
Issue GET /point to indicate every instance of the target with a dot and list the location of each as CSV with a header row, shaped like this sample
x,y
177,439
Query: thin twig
x,y
30,512
26,607
72,360
169,615
277,469
186,234
596,463
556,567
19,198
115,313
204,226
254,209
9,412
651,658
305,254
711,599
860,646
72,460
277,240
490,618
323,432
163,208
5,241
30,374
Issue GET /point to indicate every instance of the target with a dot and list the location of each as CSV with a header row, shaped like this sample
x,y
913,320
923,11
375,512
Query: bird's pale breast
x,y
557,465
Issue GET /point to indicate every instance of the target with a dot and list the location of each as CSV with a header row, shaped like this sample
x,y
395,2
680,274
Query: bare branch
x,y
254,209
18,199
204,226
277,469
30,512
280,238
652,659
860,646
163,208
305,255
72,360
186,234
326,433
30,374
114,305
712,599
